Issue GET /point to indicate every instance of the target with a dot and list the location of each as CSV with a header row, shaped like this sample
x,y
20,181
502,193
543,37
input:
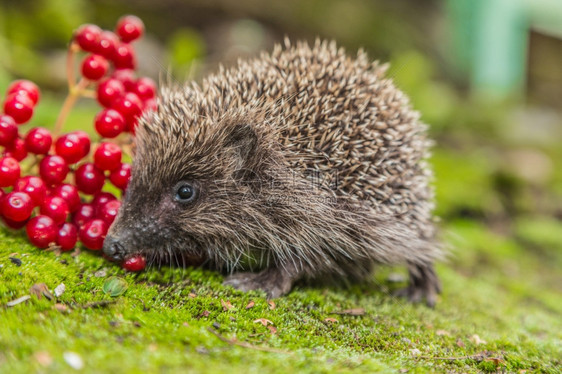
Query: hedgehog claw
x,y
274,282
423,284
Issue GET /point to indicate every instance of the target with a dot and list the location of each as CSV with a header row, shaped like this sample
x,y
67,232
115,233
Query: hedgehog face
x,y
191,191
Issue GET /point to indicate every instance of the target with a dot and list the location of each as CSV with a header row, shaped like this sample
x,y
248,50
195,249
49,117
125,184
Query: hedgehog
x,y
297,165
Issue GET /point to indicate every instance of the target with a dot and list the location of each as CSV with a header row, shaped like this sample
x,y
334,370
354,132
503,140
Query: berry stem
x,y
72,49
73,94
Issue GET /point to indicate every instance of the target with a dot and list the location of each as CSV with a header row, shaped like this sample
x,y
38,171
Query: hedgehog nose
x,y
113,249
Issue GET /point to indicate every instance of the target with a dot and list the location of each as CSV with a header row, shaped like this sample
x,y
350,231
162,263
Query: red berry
x,y
17,206
145,88
67,236
109,123
38,140
88,36
129,28
127,77
53,169
70,194
107,156
26,86
124,57
94,67
70,148
92,234
100,199
56,208
130,106
109,90
8,130
135,263
17,150
89,179
120,177
85,213
107,45
109,211
84,141
16,225
41,231
19,106
9,171
34,187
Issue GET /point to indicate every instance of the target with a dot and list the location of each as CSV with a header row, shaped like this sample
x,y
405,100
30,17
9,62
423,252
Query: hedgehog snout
x,y
113,249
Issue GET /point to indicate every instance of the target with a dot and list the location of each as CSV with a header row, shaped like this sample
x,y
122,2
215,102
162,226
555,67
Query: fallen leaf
x,y
185,324
443,332
331,320
114,286
460,343
352,312
415,352
263,321
226,305
272,329
76,252
476,340
192,295
43,358
250,304
59,290
40,290
271,304
73,360
61,307
19,300
205,313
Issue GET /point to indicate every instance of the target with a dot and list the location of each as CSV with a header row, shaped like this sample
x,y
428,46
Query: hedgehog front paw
x,y
424,284
274,282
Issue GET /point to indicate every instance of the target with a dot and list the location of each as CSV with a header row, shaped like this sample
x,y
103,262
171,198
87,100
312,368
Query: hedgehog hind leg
x,y
424,284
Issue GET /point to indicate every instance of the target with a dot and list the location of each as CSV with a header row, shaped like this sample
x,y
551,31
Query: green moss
x,y
162,321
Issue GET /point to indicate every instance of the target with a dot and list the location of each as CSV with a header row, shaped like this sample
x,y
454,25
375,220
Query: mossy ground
x,y
500,309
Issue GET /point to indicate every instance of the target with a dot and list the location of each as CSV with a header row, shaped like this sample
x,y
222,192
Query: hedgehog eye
x,y
185,192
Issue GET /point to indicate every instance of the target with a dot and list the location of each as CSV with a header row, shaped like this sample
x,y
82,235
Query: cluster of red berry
x,y
56,209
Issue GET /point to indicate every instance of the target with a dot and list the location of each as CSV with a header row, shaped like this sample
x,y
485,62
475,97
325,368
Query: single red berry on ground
x,y
135,263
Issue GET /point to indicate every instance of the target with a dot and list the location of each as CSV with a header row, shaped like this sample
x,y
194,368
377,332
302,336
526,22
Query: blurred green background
x,y
486,76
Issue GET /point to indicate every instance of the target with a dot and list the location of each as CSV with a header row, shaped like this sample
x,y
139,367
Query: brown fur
x,y
307,162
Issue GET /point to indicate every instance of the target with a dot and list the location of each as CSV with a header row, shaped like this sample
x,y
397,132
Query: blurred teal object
x,y
490,38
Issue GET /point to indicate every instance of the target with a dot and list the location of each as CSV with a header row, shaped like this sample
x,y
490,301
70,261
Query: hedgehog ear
x,y
243,139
